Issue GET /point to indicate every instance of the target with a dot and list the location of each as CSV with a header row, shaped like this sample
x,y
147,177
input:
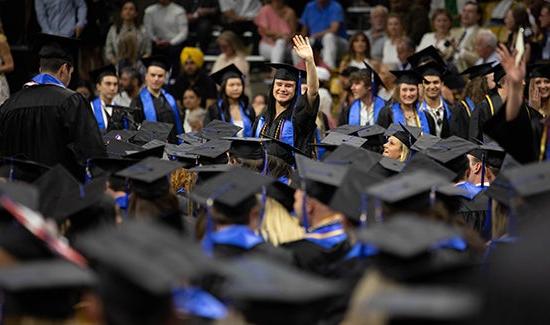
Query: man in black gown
x,y
45,121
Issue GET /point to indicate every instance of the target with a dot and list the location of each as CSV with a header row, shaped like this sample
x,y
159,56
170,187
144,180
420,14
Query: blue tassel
x,y
363,220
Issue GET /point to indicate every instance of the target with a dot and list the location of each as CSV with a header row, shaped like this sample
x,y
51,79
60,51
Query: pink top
x,y
268,19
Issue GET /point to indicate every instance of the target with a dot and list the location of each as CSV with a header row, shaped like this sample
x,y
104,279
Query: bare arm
x,y
304,51
514,78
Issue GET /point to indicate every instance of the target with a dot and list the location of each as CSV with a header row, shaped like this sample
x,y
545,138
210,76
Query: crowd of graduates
x,y
423,203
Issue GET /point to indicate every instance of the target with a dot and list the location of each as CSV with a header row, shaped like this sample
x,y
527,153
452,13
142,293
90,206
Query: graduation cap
x,y
539,70
406,134
372,77
451,152
119,149
335,139
20,169
346,154
206,172
230,71
98,74
181,153
248,148
491,152
154,150
426,55
425,141
347,129
46,289
391,165
420,161
151,130
321,179
478,70
231,188
453,81
191,138
157,61
431,68
283,150
282,193
62,196
285,71
498,72
22,193
410,77
51,46
218,129
149,177
211,149
118,135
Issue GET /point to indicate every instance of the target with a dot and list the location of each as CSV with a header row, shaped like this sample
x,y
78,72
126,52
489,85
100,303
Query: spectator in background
x,y
325,120
192,110
486,45
358,52
201,15
377,32
416,19
517,17
233,52
84,88
129,86
61,17
194,76
126,23
239,16
544,20
259,102
317,48
464,36
395,32
276,24
440,38
166,25
128,53
6,65
405,48
324,20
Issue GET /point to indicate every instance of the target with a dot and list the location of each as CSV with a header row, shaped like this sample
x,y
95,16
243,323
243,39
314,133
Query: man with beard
x,y
193,76
289,116
129,84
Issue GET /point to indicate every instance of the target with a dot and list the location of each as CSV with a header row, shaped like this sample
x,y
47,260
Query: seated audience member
x,y
239,16
276,24
234,52
395,31
192,110
486,46
440,38
358,52
405,48
202,15
129,86
377,32
464,36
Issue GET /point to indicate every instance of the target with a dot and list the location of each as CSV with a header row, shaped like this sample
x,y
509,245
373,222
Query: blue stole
x,y
470,103
361,250
399,117
327,236
235,235
472,189
247,123
197,302
122,202
98,113
354,116
456,243
150,112
47,79
287,134
320,150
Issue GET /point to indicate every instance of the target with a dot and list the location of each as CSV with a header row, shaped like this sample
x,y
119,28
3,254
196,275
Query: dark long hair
x,y
269,113
118,20
243,99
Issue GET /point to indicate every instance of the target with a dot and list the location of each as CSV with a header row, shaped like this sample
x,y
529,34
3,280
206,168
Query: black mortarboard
x,y
346,154
219,129
181,154
231,71
286,72
22,193
150,130
119,149
110,165
282,150
157,61
371,131
431,69
211,149
420,161
498,71
321,179
335,139
374,77
540,70
429,54
46,289
206,172
108,70
62,196
406,134
410,77
529,180
453,81
22,170
494,154
152,150
231,188
449,149
425,141
477,70
392,165
348,71
51,46
191,138
118,135
407,235
248,148
282,193
347,129
149,177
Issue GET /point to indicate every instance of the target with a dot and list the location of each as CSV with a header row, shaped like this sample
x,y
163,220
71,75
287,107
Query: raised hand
x,y
514,73
302,47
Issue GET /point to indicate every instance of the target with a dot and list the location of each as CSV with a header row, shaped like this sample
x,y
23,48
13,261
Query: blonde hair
x,y
183,178
278,226
499,220
404,152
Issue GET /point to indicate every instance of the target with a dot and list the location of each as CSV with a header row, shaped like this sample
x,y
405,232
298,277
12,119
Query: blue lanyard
x,y
150,112
47,79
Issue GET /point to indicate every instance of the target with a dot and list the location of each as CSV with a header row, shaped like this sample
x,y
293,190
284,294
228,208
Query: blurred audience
x,y
61,17
395,32
6,65
276,24
377,31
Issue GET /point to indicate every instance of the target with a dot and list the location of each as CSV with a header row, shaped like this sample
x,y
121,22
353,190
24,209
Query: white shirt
x,y
166,23
243,8
106,112
390,54
122,99
367,114
491,58
437,113
240,124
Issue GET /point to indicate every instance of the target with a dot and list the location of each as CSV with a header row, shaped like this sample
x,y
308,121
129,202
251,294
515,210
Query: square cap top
x,y
347,129
191,138
108,70
431,68
211,149
407,235
540,70
51,46
374,76
216,168
231,188
160,61
405,186
248,148
151,130
118,135
478,70
410,77
22,193
285,71
420,161
334,139
529,180
218,129
230,71
119,149
321,172
393,165
111,165
425,141
346,154
450,148
371,131
149,170
21,170
428,54
155,148
453,80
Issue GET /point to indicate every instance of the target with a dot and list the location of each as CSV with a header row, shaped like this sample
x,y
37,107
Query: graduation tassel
x,y
483,170
363,218
305,223
263,200
87,173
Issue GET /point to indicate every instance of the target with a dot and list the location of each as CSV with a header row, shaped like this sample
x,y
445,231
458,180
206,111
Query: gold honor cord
x,y
466,107
491,107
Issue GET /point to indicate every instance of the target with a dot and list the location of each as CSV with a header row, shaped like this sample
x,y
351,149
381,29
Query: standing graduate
x,y
232,104
47,122
404,108
155,104
367,104
106,116
290,116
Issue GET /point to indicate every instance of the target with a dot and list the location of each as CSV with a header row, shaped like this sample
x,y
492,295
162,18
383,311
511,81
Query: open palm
x,y
514,73
302,47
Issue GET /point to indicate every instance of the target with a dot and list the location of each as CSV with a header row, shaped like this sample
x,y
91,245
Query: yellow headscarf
x,y
192,53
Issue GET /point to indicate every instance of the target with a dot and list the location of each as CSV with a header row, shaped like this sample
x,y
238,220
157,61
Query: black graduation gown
x,y
213,113
385,118
263,249
460,121
482,114
51,125
163,110
316,259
